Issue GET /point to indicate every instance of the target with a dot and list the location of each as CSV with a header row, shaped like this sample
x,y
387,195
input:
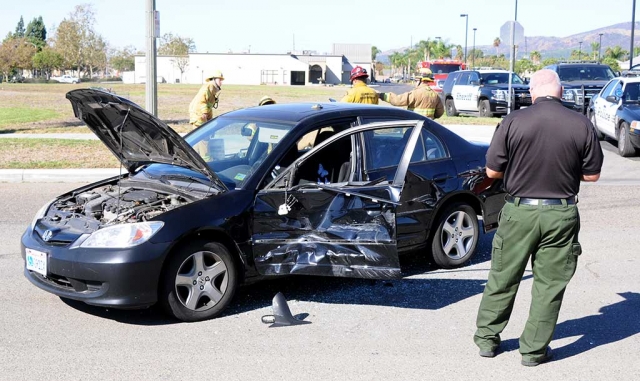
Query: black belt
x,y
542,201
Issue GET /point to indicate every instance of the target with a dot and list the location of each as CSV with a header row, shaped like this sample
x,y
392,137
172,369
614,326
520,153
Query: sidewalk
x,y
470,132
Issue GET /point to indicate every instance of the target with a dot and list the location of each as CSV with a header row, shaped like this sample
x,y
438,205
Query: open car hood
x,y
133,135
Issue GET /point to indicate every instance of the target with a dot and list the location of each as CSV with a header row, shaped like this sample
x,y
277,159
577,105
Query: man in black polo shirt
x,y
542,152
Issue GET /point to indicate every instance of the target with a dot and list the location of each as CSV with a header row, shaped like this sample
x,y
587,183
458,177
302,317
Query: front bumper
x,y
501,107
575,107
634,137
122,278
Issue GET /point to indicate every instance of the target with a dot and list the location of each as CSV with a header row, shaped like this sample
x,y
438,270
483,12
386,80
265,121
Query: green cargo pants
x,y
549,235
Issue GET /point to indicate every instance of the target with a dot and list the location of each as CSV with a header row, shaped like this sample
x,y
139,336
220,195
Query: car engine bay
x,y
111,205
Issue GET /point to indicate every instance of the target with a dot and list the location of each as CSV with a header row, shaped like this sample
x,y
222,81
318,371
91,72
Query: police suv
x,y
615,113
483,92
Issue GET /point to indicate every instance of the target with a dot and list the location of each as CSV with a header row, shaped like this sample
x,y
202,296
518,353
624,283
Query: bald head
x,y
544,83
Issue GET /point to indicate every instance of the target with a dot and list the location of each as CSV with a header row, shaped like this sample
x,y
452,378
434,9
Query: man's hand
x,y
591,178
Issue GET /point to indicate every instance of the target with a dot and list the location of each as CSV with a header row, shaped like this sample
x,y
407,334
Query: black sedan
x,y
314,189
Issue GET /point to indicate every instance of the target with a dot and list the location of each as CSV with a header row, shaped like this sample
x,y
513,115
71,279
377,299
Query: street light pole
x,y
633,28
466,33
473,52
580,51
600,47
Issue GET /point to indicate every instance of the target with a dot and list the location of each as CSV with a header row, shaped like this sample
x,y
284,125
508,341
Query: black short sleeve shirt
x,y
544,150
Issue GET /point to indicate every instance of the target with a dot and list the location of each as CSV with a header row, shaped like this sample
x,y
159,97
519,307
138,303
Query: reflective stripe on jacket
x,y
361,93
202,103
421,100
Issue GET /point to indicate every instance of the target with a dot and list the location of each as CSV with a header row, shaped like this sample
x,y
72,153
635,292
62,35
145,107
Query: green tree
x,y
496,44
636,51
16,54
47,60
179,47
535,57
612,62
525,66
19,29
37,32
549,61
595,47
123,60
616,52
459,52
374,53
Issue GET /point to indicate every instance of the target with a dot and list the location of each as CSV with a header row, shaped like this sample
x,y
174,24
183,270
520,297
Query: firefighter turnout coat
x,y
421,100
202,105
361,93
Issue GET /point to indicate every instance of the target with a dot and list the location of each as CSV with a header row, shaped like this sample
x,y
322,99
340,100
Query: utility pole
x,y
512,60
473,52
466,34
580,51
151,87
600,48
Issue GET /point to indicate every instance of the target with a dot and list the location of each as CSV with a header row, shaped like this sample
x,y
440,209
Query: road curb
x,y
78,175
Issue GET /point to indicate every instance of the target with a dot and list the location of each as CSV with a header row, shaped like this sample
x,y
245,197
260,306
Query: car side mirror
x,y
246,131
618,74
526,81
612,99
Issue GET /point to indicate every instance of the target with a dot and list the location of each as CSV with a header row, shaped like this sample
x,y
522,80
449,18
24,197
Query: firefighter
x,y
421,100
360,92
202,105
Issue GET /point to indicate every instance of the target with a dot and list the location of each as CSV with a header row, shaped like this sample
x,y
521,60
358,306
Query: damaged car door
x,y
322,216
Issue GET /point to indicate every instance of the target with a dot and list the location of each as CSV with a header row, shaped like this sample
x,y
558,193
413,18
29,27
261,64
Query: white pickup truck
x,y
66,79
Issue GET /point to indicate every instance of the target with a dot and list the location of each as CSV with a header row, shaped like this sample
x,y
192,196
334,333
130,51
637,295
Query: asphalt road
x,y
419,327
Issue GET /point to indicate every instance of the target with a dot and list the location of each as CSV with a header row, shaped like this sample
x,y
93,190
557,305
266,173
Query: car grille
x,y
69,284
523,98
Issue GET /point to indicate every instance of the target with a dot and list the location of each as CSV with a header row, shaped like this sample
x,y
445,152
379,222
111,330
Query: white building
x,y
256,69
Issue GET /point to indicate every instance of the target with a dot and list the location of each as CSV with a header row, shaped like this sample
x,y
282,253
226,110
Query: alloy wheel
x,y
201,281
457,236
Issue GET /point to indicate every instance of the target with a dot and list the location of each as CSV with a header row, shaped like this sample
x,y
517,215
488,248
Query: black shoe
x,y
489,353
546,357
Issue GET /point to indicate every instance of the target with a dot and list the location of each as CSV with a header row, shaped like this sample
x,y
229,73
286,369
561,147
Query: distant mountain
x,y
558,47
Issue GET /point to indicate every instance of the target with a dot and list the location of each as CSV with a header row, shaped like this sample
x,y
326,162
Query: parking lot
x,y
419,327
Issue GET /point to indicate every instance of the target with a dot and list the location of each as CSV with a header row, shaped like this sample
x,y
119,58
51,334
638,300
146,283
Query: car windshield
x,y
631,93
498,78
235,148
585,73
443,68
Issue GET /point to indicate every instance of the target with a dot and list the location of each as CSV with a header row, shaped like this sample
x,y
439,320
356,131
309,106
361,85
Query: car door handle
x,y
440,177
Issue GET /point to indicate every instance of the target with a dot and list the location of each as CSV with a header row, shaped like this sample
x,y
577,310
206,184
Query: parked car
x,y
483,92
615,113
330,189
66,79
581,80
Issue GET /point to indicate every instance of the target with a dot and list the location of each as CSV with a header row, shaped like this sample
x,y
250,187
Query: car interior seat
x,y
631,92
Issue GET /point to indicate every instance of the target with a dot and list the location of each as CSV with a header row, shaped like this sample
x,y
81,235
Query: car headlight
x,y
41,213
122,236
499,95
635,125
569,95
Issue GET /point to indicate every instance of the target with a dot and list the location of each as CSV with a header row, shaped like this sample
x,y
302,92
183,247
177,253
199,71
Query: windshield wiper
x,y
185,177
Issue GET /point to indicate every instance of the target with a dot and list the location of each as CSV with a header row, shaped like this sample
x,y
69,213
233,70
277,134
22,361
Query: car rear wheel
x,y
199,282
485,108
456,238
451,107
625,149
592,117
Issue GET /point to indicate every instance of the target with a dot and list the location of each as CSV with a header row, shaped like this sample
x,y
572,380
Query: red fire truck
x,y
441,69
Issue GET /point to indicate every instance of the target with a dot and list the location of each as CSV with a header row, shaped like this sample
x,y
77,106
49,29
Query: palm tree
x,y
595,46
616,52
396,61
496,44
459,52
374,53
535,56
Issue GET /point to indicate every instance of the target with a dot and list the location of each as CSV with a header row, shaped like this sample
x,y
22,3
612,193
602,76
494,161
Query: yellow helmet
x,y
266,100
426,75
214,74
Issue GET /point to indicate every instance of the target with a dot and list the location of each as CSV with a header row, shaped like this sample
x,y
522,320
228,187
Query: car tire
x,y
484,107
187,292
592,118
450,106
625,149
456,238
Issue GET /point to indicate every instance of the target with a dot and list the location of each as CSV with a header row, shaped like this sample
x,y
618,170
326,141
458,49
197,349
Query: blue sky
x,y
268,26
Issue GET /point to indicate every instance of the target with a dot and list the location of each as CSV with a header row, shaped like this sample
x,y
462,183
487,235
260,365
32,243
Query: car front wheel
x,y
485,108
625,149
199,282
456,237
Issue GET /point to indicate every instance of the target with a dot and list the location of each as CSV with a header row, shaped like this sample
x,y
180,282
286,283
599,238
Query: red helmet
x,y
358,72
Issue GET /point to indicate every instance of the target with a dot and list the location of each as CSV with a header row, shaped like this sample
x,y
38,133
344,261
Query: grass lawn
x,y
43,108
55,153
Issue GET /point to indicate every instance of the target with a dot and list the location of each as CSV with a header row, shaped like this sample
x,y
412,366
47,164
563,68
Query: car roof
x,y
297,112
628,79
